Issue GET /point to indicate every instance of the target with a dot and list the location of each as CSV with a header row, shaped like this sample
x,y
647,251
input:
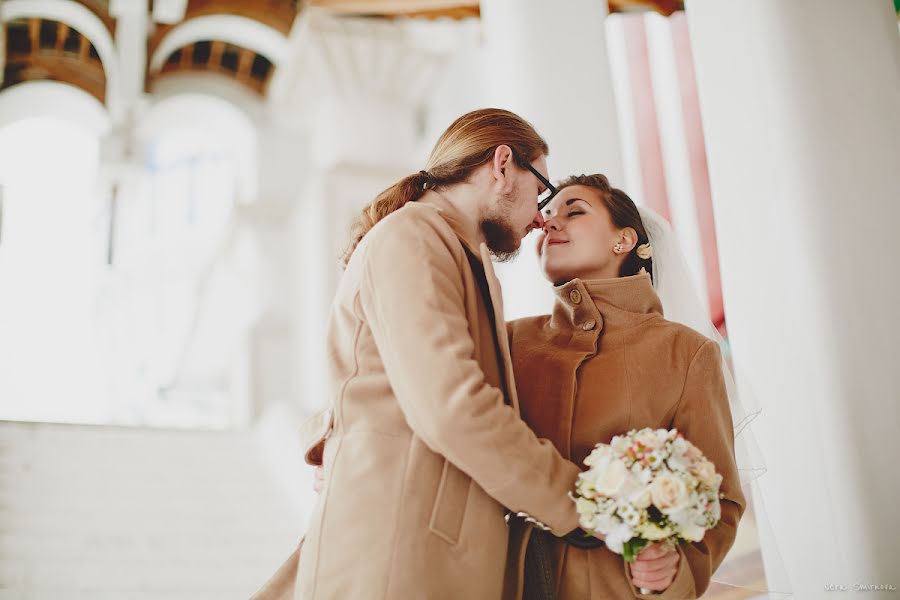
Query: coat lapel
x,y
500,324
467,237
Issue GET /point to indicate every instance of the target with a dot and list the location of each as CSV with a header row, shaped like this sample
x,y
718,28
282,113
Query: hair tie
x,y
427,177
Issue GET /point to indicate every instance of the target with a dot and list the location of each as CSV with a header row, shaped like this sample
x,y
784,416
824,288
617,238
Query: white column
x,y
799,105
125,95
355,86
266,239
548,62
346,171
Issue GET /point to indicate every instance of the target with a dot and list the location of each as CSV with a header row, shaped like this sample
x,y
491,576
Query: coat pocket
x,y
450,503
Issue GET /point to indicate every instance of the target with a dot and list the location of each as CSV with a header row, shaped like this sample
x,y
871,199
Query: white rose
x,y
619,444
688,524
599,460
612,481
606,523
645,476
616,538
692,532
678,462
668,492
692,452
641,498
705,472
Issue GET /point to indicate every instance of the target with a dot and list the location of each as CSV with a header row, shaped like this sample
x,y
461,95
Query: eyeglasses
x,y
547,195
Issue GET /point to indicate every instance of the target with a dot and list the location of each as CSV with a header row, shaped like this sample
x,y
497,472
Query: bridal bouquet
x,y
647,486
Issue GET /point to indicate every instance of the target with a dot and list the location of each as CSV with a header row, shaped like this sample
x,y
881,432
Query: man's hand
x,y
655,567
319,479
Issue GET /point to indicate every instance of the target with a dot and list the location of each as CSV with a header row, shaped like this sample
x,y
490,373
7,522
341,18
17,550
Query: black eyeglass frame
x,y
550,186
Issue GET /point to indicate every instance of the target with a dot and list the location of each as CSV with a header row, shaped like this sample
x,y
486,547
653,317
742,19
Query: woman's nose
x,y
538,221
550,225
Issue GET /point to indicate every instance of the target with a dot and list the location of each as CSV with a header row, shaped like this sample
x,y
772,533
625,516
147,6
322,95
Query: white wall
x,y
800,102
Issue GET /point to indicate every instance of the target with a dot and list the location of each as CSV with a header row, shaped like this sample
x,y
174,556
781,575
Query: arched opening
x,y
123,279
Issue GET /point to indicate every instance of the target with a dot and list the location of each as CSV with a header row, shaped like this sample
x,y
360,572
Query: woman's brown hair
x,y
623,212
468,143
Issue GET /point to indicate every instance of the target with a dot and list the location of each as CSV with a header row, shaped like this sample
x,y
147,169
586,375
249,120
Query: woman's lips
x,y
555,242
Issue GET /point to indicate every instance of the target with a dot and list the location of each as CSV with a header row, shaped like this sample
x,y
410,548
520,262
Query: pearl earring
x,y
618,247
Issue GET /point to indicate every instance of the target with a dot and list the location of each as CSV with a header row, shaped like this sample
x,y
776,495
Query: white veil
x,y
681,303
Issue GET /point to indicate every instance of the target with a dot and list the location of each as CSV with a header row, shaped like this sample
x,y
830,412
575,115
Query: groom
x,y
426,446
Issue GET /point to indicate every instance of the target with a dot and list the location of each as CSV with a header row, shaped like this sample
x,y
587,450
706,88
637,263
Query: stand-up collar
x,y
605,303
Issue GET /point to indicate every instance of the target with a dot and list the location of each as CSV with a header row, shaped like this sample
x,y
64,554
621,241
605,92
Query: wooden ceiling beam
x,y
665,7
389,8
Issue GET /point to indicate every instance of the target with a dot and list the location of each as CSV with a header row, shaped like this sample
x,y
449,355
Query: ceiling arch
x,y
239,31
73,14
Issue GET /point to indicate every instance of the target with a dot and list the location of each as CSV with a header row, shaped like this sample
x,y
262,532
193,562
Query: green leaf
x,y
632,548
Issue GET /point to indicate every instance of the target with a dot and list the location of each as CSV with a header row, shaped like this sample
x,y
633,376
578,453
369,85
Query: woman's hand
x,y
655,567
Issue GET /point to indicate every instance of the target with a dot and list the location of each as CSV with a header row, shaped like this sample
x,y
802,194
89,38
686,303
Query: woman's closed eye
x,y
575,213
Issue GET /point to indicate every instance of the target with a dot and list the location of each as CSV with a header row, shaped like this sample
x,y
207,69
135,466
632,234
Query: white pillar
x,y
356,151
125,95
799,104
548,62
361,121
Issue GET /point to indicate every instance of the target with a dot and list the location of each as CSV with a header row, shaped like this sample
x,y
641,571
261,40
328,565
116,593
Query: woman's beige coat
x,y
605,362
426,448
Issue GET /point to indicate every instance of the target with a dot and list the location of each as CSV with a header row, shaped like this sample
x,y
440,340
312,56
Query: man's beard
x,y
501,240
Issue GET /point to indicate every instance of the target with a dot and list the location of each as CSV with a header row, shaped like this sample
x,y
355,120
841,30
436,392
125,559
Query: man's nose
x,y
538,222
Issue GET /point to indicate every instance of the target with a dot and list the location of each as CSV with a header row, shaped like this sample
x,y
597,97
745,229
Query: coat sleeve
x,y
412,295
704,417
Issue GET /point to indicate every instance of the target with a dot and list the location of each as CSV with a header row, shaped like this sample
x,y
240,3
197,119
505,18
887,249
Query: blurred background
x,y
177,179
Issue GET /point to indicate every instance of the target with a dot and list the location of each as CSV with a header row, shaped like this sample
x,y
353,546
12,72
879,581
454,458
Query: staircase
x,y
103,513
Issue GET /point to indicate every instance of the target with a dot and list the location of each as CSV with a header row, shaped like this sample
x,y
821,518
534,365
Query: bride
x,y
606,361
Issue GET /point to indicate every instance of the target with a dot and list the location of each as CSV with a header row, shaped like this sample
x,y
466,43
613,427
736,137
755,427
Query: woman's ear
x,y
629,239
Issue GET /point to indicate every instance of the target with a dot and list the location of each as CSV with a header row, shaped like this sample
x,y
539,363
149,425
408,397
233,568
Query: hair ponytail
x,y
408,189
468,143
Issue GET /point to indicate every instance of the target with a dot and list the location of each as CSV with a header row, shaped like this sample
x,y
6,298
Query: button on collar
x,y
588,325
575,296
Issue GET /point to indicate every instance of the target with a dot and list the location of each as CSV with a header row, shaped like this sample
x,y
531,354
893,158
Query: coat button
x,y
575,296
588,325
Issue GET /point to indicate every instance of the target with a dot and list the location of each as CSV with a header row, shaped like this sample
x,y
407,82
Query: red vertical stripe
x,y
693,127
653,175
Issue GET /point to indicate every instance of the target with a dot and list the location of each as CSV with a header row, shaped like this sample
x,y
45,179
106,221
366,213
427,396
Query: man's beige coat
x,y
426,449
